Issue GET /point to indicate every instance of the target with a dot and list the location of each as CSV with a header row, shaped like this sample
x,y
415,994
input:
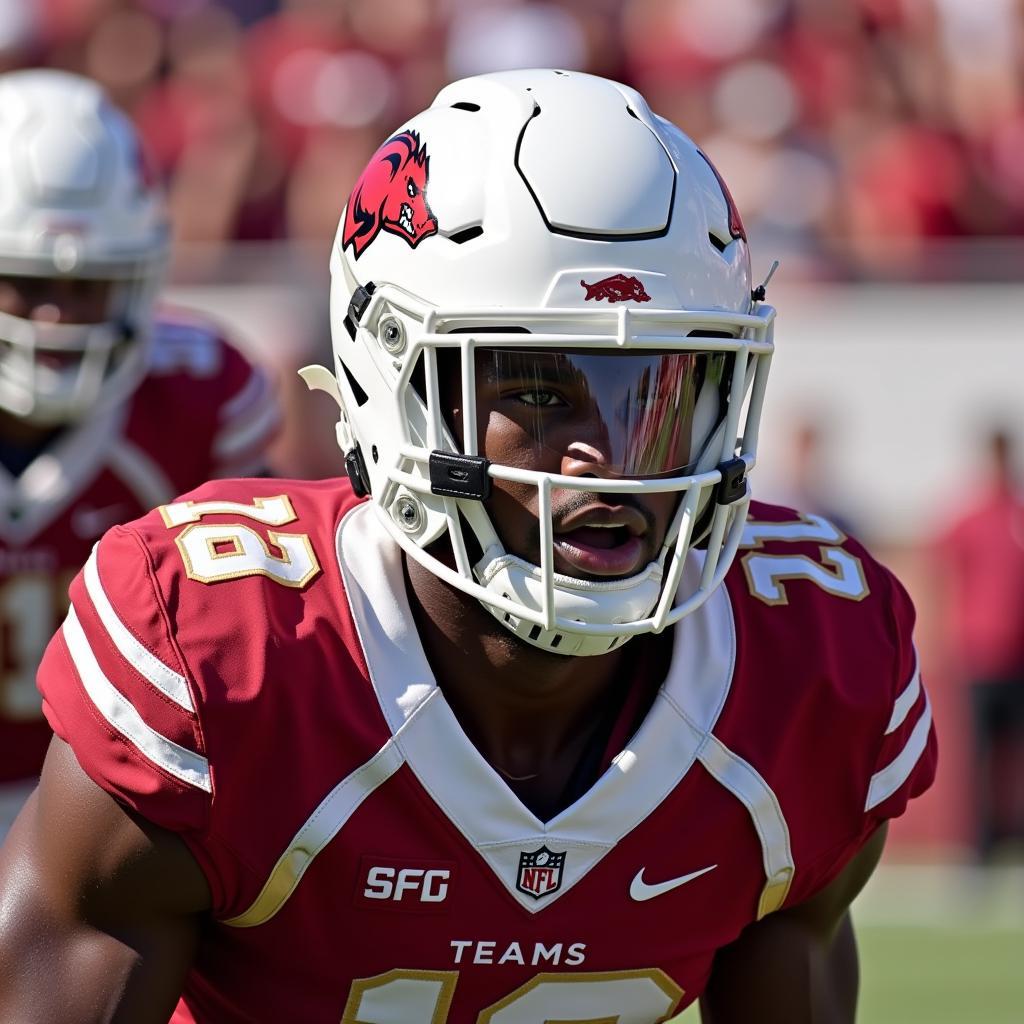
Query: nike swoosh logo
x,y
89,522
641,890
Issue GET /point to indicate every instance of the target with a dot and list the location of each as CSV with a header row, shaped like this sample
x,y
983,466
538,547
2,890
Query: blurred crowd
x,y
852,132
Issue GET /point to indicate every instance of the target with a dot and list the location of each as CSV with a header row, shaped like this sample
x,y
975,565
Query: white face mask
x,y
58,372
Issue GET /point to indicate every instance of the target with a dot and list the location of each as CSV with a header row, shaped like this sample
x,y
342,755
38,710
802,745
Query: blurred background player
x,y
106,408
981,560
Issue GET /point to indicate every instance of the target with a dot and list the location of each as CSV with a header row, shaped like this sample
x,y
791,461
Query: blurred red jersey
x,y
202,411
242,667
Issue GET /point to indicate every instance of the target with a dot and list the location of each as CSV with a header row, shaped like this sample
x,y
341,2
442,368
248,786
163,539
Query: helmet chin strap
x,y
602,603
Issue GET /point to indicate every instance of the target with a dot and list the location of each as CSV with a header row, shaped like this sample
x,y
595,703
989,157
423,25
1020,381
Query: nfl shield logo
x,y
540,872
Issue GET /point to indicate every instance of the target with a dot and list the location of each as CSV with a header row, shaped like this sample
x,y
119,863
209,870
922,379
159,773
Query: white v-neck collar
x,y
471,793
34,499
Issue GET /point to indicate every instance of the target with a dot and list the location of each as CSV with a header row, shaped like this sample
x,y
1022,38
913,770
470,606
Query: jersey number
x,y
836,571
597,997
213,552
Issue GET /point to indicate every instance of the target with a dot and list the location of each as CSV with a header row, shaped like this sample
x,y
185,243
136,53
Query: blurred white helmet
x,y
76,204
546,224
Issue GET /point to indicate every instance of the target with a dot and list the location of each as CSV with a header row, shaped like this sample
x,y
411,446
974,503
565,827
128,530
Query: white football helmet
x,y
76,202
546,215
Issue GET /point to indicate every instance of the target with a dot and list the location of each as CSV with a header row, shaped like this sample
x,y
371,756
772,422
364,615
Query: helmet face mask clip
x,y
557,412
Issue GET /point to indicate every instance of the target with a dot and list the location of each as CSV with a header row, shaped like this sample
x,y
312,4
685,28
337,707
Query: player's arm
x,y
99,910
799,965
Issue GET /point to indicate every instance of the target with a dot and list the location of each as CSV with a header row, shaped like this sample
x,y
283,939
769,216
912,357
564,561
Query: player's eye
x,y
538,398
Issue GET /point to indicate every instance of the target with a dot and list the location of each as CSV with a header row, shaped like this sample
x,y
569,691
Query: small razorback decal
x,y
391,195
617,288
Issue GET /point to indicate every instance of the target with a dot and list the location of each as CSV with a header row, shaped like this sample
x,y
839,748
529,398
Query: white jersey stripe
x,y
183,764
237,437
172,684
743,781
889,779
321,827
904,702
140,473
252,391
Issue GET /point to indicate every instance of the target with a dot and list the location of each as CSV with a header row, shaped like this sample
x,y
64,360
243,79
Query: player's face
x,y
587,414
55,300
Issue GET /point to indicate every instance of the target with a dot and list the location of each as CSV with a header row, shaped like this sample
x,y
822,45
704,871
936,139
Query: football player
x,y
105,411
536,716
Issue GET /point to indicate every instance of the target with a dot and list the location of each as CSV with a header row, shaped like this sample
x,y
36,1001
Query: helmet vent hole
x,y
717,242
471,107
632,112
534,632
556,640
360,395
466,234
374,454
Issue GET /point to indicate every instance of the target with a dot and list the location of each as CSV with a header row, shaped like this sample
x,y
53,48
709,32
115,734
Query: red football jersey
x,y
202,411
242,667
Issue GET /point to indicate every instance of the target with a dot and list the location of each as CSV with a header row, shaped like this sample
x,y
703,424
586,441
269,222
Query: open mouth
x,y
599,552
601,542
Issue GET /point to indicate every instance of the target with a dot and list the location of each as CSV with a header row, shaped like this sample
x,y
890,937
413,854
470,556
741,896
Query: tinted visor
x,y
635,414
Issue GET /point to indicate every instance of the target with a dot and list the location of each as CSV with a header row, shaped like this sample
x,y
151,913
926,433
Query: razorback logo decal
x,y
617,288
391,195
736,228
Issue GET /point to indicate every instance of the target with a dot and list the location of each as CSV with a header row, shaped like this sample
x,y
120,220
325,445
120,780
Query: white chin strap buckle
x,y
612,603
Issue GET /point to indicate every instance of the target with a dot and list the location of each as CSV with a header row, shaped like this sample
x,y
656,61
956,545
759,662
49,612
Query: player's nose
x,y
585,458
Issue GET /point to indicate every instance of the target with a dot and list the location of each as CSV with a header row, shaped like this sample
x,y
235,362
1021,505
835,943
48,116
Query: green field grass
x,y
923,975
939,946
